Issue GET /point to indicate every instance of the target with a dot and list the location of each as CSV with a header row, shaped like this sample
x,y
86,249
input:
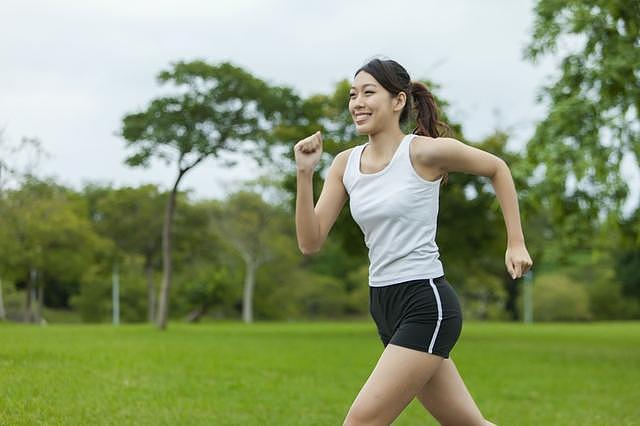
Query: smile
x,y
360,118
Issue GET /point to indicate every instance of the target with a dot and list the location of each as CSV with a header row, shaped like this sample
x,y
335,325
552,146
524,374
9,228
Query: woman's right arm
x,y
313,224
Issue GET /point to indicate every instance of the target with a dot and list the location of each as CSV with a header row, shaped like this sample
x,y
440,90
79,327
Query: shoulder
x,y
429,144
344,155
340,160
427,147
452,155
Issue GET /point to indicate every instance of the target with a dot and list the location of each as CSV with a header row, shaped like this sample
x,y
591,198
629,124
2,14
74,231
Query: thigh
x,y
447,398
397,377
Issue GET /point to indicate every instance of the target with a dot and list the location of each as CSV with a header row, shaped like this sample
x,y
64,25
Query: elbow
x,y
501,167
309,251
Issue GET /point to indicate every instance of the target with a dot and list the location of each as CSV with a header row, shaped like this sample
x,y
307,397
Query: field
x,y
304,373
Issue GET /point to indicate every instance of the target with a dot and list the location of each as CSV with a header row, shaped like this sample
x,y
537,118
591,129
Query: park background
x,y
147,176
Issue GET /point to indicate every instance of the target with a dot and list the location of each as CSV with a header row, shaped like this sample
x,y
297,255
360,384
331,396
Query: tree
x,y
53,241
254,228
593,111
129,217
11,172
627,254
215,109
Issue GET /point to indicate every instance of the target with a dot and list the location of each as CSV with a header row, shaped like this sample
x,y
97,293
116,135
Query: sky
x,y
71,70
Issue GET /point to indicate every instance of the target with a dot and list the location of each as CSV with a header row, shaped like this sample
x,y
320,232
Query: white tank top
x,y
397,211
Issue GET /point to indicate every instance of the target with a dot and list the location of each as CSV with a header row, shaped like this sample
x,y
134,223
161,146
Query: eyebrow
x,y
366,84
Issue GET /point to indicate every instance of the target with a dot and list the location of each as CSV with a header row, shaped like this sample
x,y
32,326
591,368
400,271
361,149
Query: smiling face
x,y
372,107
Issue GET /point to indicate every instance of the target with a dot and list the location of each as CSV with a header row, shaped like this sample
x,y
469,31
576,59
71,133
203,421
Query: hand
x,y
308,151
517,260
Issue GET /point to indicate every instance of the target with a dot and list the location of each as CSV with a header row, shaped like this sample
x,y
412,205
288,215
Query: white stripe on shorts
x,y
435,333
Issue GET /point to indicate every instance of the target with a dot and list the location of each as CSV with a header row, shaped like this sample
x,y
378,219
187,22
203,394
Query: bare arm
x,y
505,191
314,223
307,227
451,155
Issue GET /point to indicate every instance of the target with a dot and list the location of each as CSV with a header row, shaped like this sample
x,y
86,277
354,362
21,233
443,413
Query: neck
x,y
384,143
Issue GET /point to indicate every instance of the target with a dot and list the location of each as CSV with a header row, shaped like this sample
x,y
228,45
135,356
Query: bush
x,y
357,303
93,303
305,296
558,298
482,298
608,302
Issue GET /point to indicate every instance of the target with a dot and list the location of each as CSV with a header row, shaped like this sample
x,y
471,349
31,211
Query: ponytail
x,y
426,110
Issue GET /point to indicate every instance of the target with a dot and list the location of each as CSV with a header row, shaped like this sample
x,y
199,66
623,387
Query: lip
x,y
361,117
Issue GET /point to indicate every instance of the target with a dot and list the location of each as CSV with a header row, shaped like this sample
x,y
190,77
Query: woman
x,y
393,184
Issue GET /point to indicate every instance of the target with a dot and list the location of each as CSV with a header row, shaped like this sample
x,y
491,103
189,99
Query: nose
x,y
357,102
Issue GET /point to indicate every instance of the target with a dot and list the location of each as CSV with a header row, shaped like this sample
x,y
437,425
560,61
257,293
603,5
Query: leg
x,y
396,379
446,397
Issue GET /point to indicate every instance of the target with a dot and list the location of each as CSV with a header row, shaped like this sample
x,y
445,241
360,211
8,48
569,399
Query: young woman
x,y
392,182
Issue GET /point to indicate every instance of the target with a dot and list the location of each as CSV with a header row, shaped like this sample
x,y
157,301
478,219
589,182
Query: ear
x,y
399,101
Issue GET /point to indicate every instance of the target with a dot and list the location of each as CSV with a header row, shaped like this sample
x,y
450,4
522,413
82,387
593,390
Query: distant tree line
x,y
177,257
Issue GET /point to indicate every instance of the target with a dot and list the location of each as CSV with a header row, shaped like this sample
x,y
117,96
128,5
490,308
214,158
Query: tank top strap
x,y
404,145
404,155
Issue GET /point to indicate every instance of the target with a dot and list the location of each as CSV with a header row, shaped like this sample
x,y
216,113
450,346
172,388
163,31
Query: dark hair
x,y
393,77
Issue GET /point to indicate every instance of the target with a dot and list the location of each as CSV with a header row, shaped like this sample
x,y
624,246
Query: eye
x,y
367,92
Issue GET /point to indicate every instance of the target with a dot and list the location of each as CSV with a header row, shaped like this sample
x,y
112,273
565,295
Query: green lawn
x,y
304,373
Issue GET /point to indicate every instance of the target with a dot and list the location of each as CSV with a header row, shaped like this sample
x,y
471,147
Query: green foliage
x,y
205,287
593,106
45,227
607,301
483,297
14,302
303,295
357,303
130,217
627,254
93,302
318,296
214,109
556,297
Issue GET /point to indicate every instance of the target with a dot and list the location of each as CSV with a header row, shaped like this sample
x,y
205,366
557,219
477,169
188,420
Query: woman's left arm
x,y
516,257
451,155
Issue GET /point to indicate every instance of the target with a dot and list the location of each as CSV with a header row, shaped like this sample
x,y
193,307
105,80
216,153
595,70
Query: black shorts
x,y
420,314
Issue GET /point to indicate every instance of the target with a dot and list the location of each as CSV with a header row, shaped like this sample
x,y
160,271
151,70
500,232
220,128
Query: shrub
x,y
558,298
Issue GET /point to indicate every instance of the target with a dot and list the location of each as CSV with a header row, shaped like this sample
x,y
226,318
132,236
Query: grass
x,y
304,373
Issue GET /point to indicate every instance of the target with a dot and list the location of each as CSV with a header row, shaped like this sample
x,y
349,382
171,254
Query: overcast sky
x,y
70,70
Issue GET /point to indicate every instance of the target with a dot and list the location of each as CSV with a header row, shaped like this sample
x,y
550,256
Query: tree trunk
x,y
163,307
31,282
3,313
151,292
115,294
249,284
40,304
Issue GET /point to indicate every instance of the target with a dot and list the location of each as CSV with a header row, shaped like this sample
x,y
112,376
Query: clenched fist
x,y
308,152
